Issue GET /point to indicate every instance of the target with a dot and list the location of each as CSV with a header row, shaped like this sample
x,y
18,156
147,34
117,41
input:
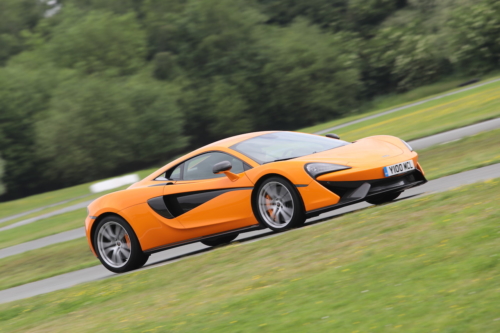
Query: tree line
x,y
105,87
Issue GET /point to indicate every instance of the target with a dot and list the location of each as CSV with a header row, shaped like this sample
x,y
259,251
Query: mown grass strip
x,y
421,265
43,228
14,207
430,118
451,112
388,102
45,262
465,154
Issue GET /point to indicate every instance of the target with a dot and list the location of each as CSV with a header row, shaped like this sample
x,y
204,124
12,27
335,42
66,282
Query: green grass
x,y
423,265
462,155
51,209
10,208
387,102
426,119
43,228
46,262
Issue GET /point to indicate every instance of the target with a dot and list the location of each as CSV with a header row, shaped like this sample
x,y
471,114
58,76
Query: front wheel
x,y
383,198
117,246
277,205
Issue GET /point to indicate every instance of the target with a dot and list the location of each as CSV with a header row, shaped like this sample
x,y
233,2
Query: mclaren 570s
x,y
272,180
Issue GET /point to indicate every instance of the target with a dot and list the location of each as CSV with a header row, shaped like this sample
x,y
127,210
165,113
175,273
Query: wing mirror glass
x,y
222,166
332,136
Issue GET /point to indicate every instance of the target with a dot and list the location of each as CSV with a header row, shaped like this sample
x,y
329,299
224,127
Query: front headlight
x,y
318,169
407,145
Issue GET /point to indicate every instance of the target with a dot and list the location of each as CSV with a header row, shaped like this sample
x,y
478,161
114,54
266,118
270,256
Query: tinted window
x,y
176,173
285,145
201,166
172,174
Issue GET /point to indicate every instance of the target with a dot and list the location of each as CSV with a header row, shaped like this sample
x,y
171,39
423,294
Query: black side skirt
x,y
194,240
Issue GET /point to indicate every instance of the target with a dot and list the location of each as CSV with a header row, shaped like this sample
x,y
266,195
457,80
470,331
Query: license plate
x,y
396,169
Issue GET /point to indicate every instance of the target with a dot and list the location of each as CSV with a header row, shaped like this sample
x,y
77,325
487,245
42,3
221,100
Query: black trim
x,y
173,205
352,192
159,206
194,240
162,184
93,217
301,185
344,167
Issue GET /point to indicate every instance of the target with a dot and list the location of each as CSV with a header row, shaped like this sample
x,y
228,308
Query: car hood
x,y
358,153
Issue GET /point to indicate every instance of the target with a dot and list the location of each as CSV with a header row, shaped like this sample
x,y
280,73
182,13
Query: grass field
x,y
462,155
423,265
45,262
426,119
42,228
53,208
387,102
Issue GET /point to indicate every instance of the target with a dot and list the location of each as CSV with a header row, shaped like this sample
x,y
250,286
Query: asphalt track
x,y
98,272
380,114
418,144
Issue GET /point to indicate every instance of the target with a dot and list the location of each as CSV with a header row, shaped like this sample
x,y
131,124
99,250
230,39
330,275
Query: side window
x,y
201,166
176,173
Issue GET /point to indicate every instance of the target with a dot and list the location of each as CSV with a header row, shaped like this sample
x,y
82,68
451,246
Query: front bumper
x,y
351,192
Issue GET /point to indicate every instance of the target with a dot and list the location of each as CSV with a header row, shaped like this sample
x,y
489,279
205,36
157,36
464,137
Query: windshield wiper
x,y
282,159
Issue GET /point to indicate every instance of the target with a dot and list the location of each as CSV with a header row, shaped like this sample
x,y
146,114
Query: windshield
x,y
280,146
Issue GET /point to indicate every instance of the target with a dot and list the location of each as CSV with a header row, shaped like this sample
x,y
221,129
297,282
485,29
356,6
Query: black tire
x,y
221,240
283,211
383,198
113,251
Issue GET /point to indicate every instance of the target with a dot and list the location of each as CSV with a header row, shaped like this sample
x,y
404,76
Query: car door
x,y
200,198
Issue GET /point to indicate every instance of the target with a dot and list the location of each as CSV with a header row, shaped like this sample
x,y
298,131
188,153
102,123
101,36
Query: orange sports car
x,y
257,180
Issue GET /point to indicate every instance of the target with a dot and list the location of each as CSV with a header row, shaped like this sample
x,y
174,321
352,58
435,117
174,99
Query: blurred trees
x,y
105,87
16,16
98,127
477,36
24,96
98,42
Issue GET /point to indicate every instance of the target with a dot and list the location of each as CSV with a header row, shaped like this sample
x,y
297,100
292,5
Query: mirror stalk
x,y
232,176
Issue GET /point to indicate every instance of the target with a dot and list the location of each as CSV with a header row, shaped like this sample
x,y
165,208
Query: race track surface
x,y
98,272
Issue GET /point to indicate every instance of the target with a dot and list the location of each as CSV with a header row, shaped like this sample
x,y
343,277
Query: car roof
x,y
228,142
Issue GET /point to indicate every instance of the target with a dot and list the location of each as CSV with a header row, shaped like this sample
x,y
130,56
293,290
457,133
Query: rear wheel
x,y
117,246
221,240
277,205
383,198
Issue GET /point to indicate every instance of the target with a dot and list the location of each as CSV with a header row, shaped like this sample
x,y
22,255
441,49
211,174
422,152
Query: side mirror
x,y
222,166
332,136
